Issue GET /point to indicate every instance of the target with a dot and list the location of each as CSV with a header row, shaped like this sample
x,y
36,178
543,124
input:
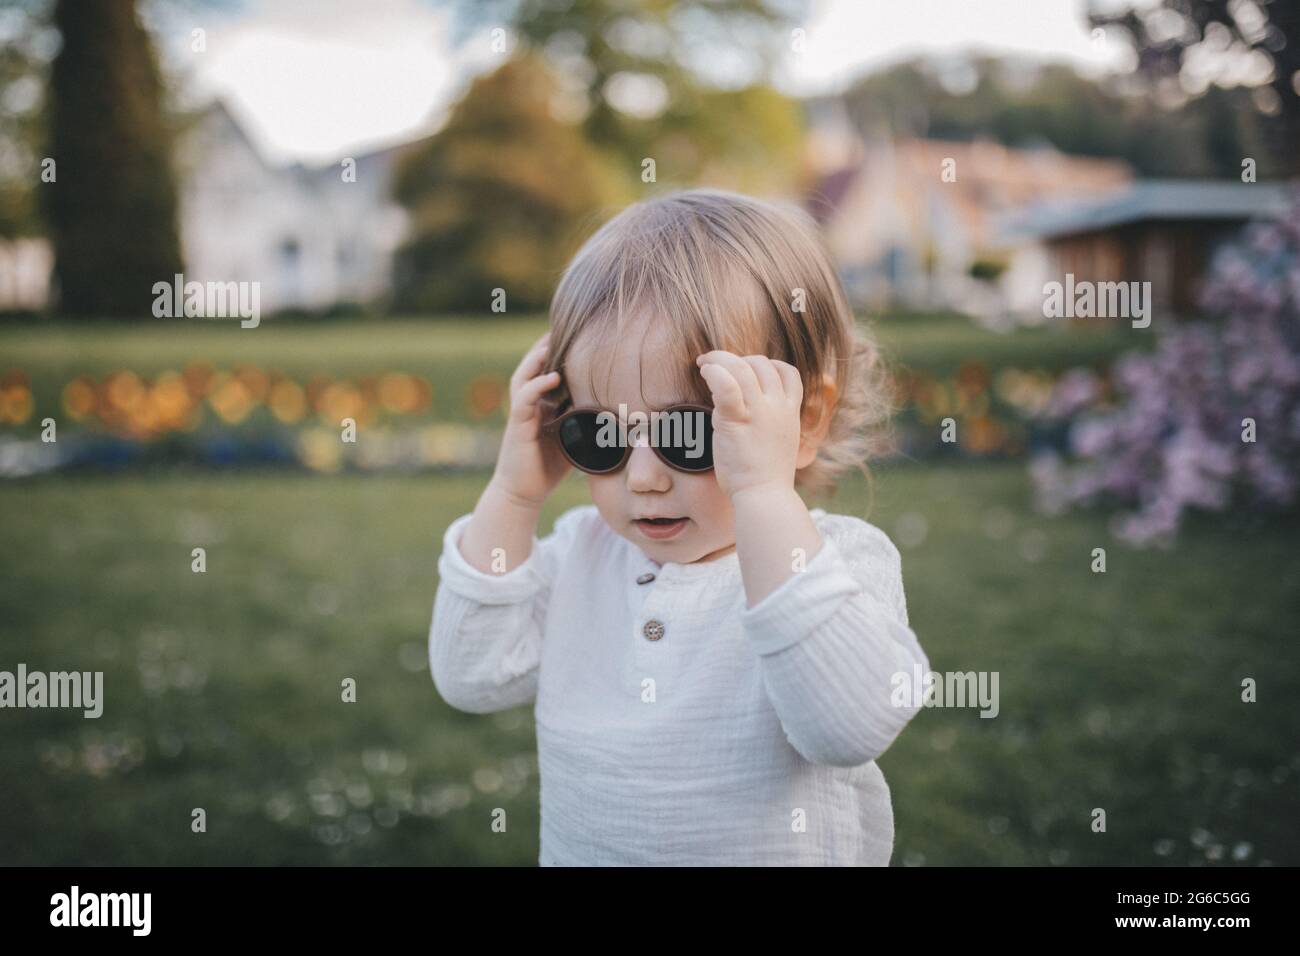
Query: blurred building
x,y
913,223
313,237
25,266
1160,231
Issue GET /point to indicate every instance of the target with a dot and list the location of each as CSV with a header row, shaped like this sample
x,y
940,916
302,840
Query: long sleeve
x,y
830,641
486,633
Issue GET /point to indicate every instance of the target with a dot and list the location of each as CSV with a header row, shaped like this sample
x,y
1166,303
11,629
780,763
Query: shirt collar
x,y
728,564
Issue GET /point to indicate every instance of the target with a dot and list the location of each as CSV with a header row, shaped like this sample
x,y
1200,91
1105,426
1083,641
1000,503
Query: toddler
x,y
711,662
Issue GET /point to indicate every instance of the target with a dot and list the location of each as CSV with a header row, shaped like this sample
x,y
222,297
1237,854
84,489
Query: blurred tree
x,y
112,209
27,45
680,82
499,198
617,52
1185,46
749,139
1022,104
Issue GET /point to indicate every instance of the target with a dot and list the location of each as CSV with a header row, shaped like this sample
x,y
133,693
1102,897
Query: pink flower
x,y
1180,437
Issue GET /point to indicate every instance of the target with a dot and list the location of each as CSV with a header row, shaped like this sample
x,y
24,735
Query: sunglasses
x,y
583,436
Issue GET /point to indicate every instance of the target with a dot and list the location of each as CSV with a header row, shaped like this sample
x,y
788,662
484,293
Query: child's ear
x,y
815,420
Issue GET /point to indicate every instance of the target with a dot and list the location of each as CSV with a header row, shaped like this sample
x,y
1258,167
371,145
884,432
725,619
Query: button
x,y
653,630
645,578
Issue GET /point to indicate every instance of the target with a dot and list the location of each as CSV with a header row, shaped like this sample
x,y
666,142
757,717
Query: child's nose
x,y
645,472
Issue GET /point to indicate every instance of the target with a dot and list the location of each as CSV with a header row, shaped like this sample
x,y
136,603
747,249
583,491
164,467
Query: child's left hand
x,y
756,425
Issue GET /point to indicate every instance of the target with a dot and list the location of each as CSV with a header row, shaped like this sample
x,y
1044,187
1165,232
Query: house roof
x,y
1143,201
218,110
830,192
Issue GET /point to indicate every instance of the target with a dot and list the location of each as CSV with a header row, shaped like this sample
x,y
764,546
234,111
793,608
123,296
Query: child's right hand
x,y
530,465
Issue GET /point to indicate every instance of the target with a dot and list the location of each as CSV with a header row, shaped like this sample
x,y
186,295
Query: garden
x,y
1119,690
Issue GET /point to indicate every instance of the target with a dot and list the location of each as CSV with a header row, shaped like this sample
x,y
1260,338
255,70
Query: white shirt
x,y
738,737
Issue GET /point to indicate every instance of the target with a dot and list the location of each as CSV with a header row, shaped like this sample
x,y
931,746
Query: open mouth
x,y
660,528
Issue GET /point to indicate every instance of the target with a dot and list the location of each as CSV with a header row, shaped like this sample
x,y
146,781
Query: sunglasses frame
x,y
552,428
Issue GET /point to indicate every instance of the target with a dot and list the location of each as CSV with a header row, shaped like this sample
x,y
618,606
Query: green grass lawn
x,y
449,352
940,343
1118,690
353,346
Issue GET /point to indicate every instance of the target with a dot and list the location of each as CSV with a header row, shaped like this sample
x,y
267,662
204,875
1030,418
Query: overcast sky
x,y
314,80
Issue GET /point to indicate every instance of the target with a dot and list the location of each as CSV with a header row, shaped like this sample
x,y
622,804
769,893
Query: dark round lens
x,y
589,449
686,438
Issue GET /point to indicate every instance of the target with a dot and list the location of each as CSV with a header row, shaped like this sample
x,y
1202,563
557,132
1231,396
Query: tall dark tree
x,y
112,208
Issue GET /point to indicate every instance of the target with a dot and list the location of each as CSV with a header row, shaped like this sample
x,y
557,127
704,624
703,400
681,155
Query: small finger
x,y
767,376
727,395
740,370
530,393
791,381
527,370
532,361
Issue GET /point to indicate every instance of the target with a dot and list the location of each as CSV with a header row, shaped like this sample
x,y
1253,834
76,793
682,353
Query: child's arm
x,y
485,638
494,575
831,633
831,640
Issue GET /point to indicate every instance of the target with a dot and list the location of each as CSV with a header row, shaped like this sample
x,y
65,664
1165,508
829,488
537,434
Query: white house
x,y
25,266
311,236
909,220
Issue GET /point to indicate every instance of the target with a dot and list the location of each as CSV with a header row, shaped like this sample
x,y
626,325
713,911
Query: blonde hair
x,y
718,270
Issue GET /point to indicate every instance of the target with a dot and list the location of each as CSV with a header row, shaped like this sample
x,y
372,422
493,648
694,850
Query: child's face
x,y
645,486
